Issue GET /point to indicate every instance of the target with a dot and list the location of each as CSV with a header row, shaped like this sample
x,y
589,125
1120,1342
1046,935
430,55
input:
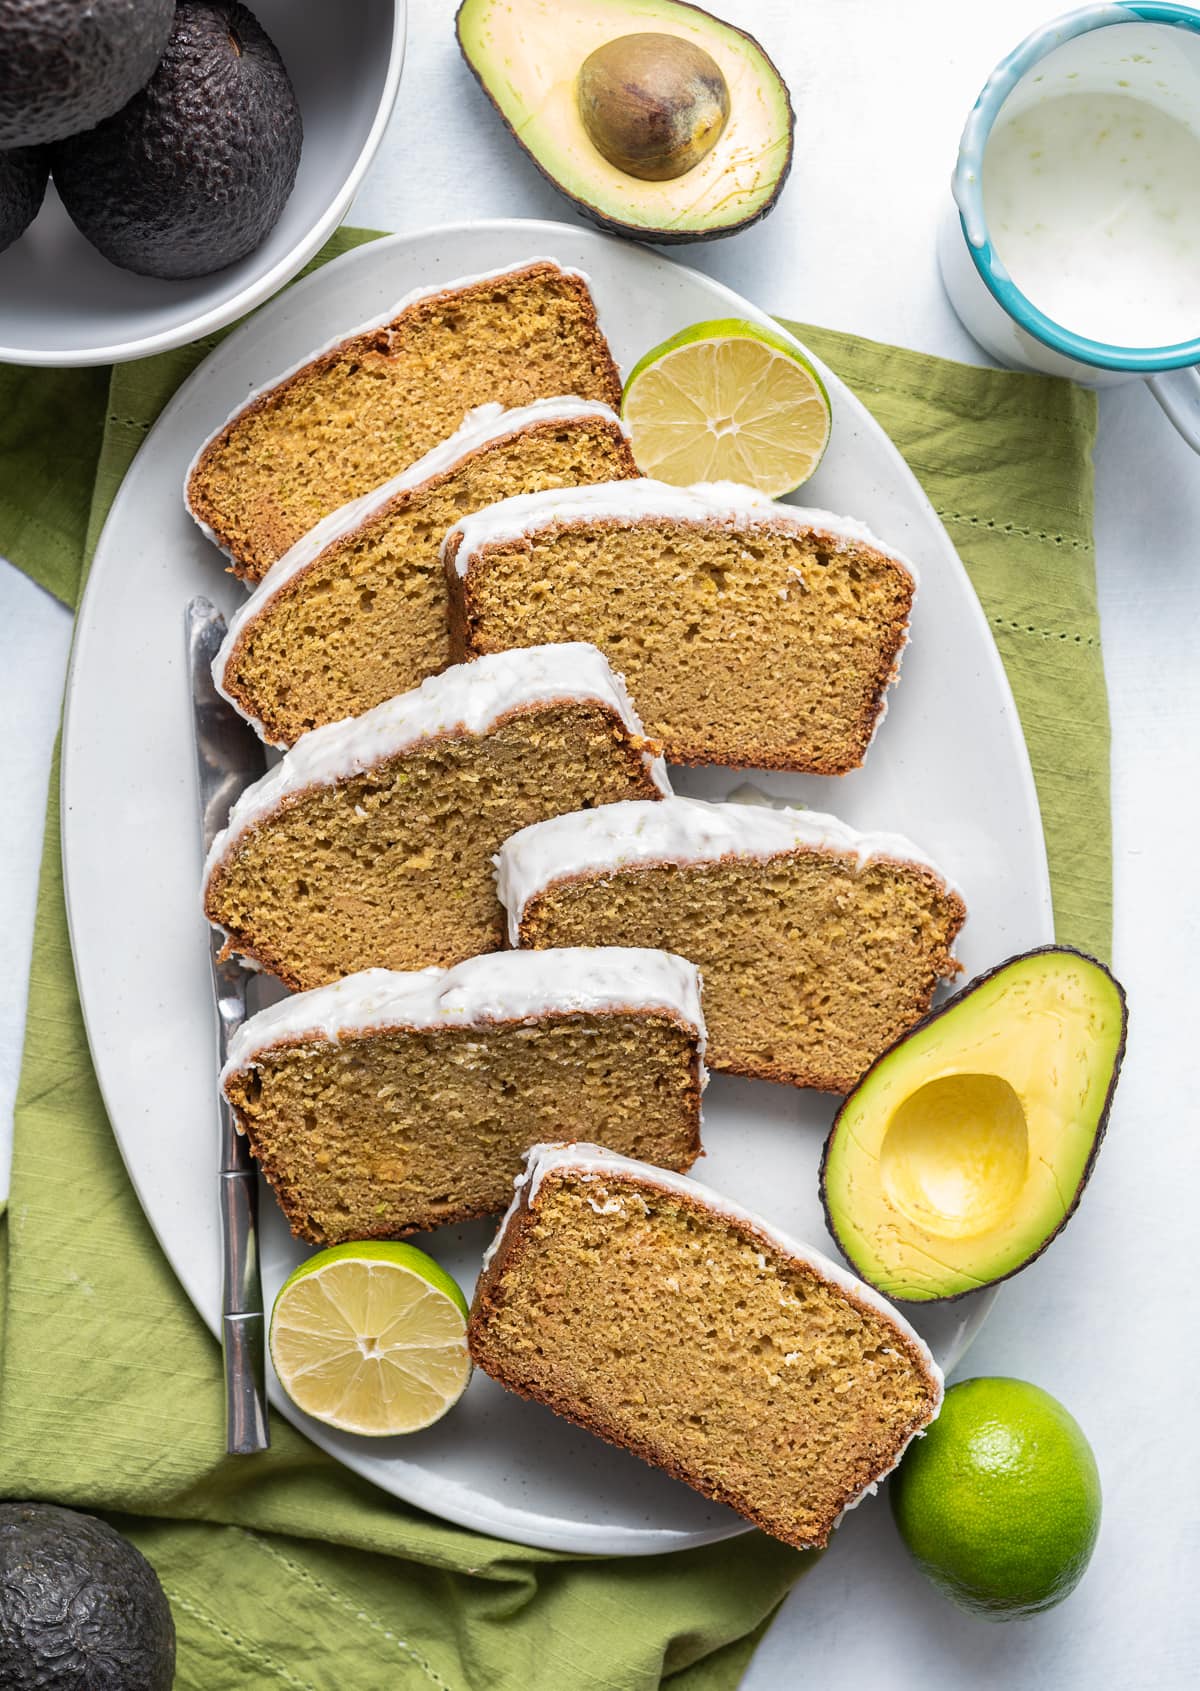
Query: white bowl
x,y
61,303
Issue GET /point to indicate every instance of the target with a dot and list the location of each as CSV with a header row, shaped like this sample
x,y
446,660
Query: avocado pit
x,y
653,105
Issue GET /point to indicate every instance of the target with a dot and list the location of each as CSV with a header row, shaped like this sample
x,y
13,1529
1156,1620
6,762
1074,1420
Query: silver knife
x,y
228,757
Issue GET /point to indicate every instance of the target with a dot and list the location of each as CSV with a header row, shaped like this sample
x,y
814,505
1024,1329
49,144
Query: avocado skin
x,y
936,1015
197,168
640,231
80,1608
67,64
23,174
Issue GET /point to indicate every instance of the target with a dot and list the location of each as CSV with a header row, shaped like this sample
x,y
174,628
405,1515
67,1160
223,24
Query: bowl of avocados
x,y
166,165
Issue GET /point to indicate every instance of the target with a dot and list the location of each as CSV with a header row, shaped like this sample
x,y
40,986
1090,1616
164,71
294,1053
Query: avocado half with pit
x,y
657,119
964,1149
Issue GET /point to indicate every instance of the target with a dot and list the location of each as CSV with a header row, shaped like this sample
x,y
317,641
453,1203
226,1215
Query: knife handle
x,y
246,1430
228,758
243,1326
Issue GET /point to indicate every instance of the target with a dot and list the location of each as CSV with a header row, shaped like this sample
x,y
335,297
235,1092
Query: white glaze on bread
x,y
676,830
468,698
725,503
501,986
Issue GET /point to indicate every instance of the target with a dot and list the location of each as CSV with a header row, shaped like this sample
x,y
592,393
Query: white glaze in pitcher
x,y
1073,246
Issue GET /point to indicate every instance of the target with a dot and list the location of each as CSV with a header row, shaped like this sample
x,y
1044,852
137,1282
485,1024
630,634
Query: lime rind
x,y
723,329
1000,1503
395,1251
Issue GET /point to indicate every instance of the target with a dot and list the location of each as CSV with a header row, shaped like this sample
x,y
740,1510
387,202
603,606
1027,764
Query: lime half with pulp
x,y
371,1338
727,401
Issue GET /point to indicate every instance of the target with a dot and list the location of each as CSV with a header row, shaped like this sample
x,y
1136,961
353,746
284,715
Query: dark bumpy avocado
x,y
80,1608
657,119
23,175
196,169
964,1149
67,64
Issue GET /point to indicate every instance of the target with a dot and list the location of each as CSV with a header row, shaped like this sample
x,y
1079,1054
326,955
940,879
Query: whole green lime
x,y
1000,1501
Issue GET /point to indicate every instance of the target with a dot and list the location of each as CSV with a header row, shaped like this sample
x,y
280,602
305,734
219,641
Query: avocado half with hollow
x,y
657,119
964,1149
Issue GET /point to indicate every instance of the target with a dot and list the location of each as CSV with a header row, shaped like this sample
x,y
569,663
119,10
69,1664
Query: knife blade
x,y
229,756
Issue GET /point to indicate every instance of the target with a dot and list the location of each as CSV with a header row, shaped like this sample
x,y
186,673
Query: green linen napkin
x,y
285,1570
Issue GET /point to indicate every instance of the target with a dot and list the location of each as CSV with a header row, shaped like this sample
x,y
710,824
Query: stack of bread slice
x,y
370,844
375,400
357,610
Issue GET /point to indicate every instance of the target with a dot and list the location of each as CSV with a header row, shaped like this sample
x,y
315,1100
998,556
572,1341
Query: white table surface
x,y
1104,1320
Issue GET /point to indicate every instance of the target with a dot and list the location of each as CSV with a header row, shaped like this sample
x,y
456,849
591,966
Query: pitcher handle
x,y
1178,392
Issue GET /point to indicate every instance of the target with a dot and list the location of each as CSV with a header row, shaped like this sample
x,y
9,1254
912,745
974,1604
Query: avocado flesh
x,y
527,55
964,1149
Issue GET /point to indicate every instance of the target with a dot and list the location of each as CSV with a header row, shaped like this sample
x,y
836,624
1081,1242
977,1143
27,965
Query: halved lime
x,y
727,401
371,1338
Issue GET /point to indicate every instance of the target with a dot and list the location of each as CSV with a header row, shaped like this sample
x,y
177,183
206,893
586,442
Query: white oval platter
x,y
949,768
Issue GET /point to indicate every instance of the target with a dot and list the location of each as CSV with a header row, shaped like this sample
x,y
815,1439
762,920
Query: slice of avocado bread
x,y
67,64
658,120
964,1149
194,172
80,1608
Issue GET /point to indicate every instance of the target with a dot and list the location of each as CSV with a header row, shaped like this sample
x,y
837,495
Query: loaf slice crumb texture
x,y
383,858
761,1375
357,414
813,960
378,1133
392,868
366,616
751,634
